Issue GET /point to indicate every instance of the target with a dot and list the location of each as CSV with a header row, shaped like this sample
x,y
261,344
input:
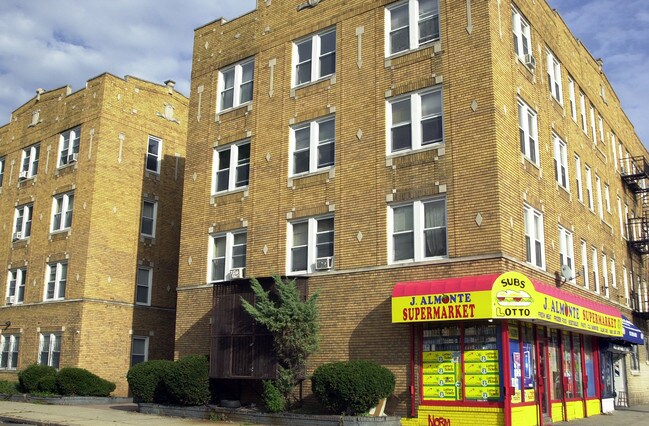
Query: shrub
x,y
273,398
47,384
81,382
8,388
352,387
29,377
146,383
188,381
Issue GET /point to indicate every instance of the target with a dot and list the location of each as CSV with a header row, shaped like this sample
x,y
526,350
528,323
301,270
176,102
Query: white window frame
x,y
145,355
605,275
614,149
626,222
312,128
235,167
571,95
16,279
580,190
522,35
528,132
582,104
329,240
595,260
561,162
316,70
69,146
153,156
554,77
412,27
147,285
416,119
237,83
62,207
54,343
2,170
600,125
607,198
232,255
566,249
589,189
600,204
9,345
584,263
534,236
625,281
619,216
29,161
592,124
23,221
613,273
153,219
56,279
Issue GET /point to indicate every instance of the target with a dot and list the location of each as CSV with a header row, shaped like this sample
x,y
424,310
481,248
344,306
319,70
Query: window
x,y
50,349
571,94
607,197
605,275
626,220
619,216
589,188
595,269
635,358
410,24
560,162
232,166
418,230
600,205
522,38
527,125
554,77
625,281
227,252
29,162
235,85
315,57
600,123
23,222
56,278
566,250
9,346
139,350
415,121
149,213
584,263
580,192
143,286
2,170
313,146
62,211
69,146
16,280
592,123
534,239
614,149
153,154
582,105
310,240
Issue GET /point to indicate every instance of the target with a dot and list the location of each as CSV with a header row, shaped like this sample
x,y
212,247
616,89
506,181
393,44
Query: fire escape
x,y
635,174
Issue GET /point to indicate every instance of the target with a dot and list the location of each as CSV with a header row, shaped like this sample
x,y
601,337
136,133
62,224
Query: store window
x,y
576,354
591,389
635,358
554,351
568,373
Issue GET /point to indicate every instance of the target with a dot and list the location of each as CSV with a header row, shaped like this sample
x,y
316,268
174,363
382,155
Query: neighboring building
x,y
91,188
456,179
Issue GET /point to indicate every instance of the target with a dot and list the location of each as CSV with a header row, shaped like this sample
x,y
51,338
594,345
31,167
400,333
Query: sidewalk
x,y
628,416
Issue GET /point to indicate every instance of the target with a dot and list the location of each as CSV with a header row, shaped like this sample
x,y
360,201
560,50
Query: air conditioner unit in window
x,y
324,263
530,62
73,157
236,273
11,300
18,235
23,174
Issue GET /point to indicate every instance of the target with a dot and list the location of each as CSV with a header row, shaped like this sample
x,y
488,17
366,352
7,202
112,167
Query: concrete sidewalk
x,y
636,415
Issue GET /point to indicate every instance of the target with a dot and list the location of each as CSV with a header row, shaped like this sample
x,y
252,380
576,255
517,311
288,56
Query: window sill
x,y
331,171
62,234
21,243
151,174
418,261
23,182
440,146
235,195
147,240
329,79
237,111
434,45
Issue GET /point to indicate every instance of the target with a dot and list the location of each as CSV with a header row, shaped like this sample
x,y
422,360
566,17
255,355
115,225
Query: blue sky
x,y
53,43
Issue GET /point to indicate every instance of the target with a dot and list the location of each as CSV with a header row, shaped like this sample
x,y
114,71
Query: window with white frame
x,y
313,146
232,166
580,191
582,105
584,263
625,281
9,348
56,280
149,214
614,149
534,239
69,146
554,77
235,85
600,124
522,36
410,24
143,285
50,349
154,154
311,244
227,253
139,349
605,275
415,120
626,220
592,124
571,95
600,204
619,216
29,161
589,188
560,161
566,249
23,222
607,197
595,261
528,132
2,170
314,57
613,273
16,279
418,230
62,206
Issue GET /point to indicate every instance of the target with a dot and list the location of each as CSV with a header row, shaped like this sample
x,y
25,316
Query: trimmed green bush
x,y
81,382
29,377
47,384
145,381
188,381
273,398
8,388
351,387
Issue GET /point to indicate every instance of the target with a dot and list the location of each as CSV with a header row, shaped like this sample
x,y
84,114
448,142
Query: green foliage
x,y
351,387
145,381
8,388
188,382
273,398
47,384
81,382
29,377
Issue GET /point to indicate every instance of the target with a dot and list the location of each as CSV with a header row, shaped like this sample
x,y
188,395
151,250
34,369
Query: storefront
x,y
504,349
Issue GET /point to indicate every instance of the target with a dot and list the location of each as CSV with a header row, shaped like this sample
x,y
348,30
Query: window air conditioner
x,y
73,157
18,235
324,263
236,273
530,62
11,300
23,174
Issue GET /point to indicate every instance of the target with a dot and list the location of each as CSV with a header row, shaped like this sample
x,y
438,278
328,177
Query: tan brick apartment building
x,y
457,180
91,186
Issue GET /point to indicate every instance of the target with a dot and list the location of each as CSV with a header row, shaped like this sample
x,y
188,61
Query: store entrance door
x,y
544,383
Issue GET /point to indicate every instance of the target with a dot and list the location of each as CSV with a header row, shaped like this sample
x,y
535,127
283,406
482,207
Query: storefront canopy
x,y
632,334
506,296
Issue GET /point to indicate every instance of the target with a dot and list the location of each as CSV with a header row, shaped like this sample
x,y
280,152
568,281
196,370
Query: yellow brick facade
x,y
96,316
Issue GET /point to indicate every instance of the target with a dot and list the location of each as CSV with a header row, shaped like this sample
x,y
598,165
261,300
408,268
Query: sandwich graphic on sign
x,y
513,298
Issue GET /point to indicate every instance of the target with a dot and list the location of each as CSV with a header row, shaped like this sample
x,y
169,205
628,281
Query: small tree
x,y
293,324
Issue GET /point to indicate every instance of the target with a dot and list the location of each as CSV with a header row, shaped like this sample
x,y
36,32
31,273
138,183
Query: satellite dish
x,y
566,272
